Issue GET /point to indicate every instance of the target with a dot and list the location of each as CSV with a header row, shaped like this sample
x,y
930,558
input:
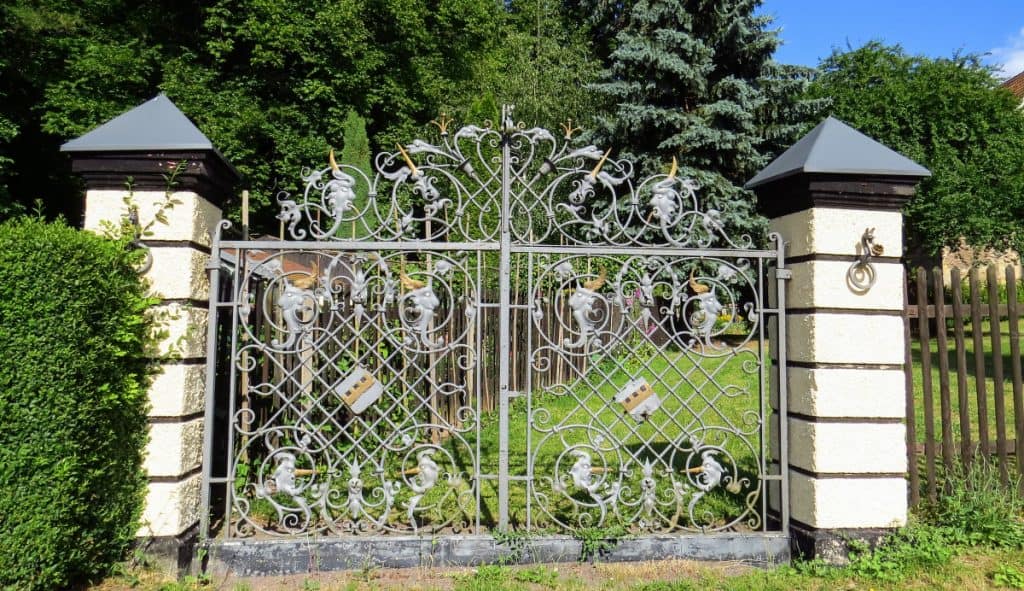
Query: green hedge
x,y
73,403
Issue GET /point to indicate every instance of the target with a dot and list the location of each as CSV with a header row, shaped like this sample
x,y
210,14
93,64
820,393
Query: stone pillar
x,y
845,344
150,145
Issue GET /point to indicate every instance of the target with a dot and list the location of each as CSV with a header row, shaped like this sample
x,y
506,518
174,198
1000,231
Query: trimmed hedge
x,y
73,380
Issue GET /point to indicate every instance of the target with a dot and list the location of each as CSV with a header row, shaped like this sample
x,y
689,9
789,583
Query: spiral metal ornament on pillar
x,y
861,275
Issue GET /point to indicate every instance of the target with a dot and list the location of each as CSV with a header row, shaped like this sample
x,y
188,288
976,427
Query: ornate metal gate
x,y
495,331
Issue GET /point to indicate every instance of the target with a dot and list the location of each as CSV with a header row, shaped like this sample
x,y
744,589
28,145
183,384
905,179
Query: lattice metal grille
x,y
495,331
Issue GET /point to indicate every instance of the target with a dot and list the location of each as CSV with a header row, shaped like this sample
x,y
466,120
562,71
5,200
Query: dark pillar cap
x,y
146,144
836,166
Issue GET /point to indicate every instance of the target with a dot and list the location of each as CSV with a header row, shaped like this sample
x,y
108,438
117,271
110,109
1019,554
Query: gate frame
x,y
291,555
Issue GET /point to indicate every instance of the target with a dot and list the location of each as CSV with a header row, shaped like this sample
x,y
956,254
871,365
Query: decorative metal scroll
x,y
659,427
363,383
452,190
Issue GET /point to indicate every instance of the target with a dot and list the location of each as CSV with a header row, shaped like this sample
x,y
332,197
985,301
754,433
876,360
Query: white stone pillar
x,y
180,250
106,158
845,351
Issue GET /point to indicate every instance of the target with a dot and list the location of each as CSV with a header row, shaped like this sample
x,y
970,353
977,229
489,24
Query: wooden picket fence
x,y
963,372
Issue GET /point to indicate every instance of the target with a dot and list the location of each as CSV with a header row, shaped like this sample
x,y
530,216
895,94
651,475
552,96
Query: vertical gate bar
x,y
764,411
236,292
504,281
528,392
780,286
478,318
213,266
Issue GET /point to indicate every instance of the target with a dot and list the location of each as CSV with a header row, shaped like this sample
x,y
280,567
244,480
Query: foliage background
x,y
73,382
951,116
271,81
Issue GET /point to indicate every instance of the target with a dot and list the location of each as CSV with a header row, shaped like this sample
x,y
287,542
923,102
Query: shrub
x,y
73,378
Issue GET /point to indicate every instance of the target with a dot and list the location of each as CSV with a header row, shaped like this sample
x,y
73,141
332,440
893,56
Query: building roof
x,y
834,147
155,125
1016,85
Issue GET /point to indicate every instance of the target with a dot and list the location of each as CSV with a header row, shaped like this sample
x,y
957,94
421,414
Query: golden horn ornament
x,y
409,282
408,161
595,284
333,162
600,163
308,281
697,287
675,168
694,470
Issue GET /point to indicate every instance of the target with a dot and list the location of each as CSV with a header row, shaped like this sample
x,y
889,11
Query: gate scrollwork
x,y
496,329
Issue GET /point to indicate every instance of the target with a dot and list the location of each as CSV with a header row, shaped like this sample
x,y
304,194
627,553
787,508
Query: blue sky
x,y
937,28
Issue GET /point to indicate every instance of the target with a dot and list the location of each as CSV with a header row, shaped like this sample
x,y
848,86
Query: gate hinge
x,y
515,394
783,274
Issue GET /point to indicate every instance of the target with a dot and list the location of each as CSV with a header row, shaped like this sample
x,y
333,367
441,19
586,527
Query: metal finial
x,y
442,123
600,163
569,129
332,161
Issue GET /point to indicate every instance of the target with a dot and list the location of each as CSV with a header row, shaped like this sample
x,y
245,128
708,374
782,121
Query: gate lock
x,y
359,390
638,399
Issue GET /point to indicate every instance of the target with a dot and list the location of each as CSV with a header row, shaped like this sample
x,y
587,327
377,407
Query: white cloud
x,y
1009,59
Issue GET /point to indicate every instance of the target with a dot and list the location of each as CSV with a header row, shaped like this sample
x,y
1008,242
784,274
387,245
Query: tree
x,y
694,79
543,66
269,82
950,116
66,67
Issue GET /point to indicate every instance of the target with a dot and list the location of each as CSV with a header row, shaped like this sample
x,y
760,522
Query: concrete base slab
x,y
285,557
832,545
171,554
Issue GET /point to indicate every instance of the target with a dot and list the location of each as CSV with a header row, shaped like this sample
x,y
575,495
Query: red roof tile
x,y
1016,85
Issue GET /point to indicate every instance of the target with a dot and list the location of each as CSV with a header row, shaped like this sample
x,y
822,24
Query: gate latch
x,y
783,274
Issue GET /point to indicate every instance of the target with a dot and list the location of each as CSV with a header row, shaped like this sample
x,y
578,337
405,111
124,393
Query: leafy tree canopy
x,y
271,82
694,79
950,116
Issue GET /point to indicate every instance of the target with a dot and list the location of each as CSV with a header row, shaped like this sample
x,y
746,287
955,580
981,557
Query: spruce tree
x,y
695,80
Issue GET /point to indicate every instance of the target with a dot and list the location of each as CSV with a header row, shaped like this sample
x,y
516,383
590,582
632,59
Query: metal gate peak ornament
x,y
372,358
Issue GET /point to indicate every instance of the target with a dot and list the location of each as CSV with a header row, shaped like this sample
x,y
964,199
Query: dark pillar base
x,y
172,554
832,545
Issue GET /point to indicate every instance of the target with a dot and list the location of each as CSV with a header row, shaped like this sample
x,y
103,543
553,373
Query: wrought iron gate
x,y
497,330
